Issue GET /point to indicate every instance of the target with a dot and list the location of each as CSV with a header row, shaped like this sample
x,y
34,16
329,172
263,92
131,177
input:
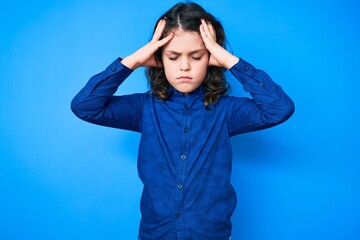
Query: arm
x,y
270,104
95,103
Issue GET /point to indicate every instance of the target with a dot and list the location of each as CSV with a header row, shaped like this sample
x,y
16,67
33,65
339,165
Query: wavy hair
x,y
187,16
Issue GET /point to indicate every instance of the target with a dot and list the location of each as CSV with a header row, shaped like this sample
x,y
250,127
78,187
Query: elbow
x,y
287,111
291,108
85,110
281,114
76,108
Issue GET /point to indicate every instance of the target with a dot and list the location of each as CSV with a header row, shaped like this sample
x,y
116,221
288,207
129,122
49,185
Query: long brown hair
x,y
188,16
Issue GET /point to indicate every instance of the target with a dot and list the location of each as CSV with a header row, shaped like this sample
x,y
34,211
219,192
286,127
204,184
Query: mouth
x,y
184,78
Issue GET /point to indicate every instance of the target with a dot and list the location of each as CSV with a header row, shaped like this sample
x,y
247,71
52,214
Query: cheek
x,y
202,69
168,67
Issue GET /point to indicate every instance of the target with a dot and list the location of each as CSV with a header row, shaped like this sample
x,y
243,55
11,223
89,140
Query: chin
x,y
185,90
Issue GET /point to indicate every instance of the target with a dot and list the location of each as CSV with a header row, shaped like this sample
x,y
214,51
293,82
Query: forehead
x,y
185,41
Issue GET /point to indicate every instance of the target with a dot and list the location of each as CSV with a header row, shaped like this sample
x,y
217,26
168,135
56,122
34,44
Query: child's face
x,y
185,60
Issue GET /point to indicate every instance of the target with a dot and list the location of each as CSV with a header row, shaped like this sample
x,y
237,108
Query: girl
x,y
185,121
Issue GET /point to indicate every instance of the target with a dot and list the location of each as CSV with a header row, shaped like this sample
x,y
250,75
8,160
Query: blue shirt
x,y
185,155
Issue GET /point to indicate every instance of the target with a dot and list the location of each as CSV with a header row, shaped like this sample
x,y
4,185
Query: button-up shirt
x,y
185,156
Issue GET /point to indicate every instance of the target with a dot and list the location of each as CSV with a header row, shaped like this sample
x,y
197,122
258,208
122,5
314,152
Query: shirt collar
x,y
190,99
199,92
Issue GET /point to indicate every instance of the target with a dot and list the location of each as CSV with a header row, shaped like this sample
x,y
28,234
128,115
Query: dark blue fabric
x,y
185,156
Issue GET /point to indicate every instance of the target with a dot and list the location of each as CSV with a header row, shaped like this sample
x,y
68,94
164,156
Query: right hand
x,y
145,55
219,56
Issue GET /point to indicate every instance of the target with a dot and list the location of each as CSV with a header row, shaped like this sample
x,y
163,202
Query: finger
x,y
203,33
205,28
202,26
159,30
166,39
208,29
206,39
212,31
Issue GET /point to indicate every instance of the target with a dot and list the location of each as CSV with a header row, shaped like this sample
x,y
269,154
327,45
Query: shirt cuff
x,y
116,66
243,67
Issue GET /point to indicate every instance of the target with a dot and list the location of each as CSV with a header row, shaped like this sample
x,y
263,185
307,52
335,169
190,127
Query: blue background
x,y
62,178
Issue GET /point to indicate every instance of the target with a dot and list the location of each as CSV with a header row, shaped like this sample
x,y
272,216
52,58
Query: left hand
x,y
219,56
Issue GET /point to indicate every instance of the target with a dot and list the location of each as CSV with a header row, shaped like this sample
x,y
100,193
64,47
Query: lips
x,y
184,78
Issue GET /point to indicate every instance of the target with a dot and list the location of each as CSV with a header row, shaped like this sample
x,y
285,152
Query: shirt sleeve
x,y
96,103
269,105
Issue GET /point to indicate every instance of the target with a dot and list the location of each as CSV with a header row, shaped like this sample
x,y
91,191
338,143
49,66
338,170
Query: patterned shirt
x,y
185,156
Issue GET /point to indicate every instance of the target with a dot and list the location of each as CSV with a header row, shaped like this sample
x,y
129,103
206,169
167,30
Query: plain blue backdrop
x,y
62,178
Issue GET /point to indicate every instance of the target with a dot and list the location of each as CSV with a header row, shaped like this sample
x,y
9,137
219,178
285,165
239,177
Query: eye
x,y
173,58
196,58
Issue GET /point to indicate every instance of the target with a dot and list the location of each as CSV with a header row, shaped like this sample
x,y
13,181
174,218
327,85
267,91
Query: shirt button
x,y
187,107
183,157
113,69
180,186
186,129
178,215
261,84
246,68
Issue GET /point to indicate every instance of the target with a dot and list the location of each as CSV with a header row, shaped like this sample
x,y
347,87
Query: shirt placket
x,y
182,159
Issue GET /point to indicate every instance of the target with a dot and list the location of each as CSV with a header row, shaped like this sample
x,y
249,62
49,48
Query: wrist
x,y
129,62
224,57
231,61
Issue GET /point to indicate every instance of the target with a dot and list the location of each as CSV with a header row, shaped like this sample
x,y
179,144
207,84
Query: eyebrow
x,y
192,52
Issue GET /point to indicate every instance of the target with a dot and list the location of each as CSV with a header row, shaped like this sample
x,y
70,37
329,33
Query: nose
x,y
184,64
